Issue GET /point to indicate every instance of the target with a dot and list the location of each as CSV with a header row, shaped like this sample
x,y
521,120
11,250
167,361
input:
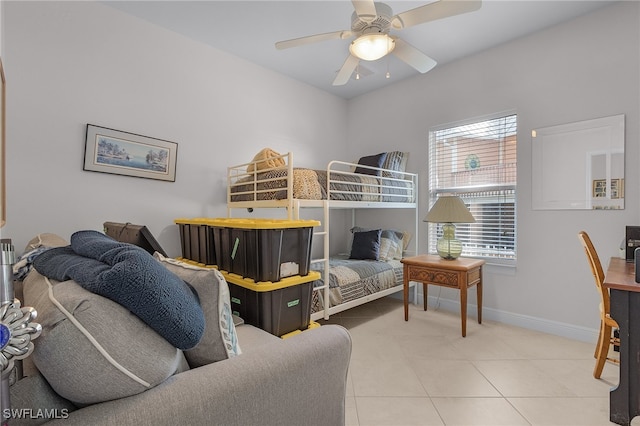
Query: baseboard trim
x,y
569,331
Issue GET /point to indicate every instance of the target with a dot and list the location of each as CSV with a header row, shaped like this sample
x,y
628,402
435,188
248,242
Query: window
x,y
477,162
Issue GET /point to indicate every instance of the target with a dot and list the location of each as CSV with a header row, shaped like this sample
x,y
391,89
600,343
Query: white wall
x,y
72,63
583,69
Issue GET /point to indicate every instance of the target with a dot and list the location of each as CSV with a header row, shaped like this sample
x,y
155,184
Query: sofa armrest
x,y
296,381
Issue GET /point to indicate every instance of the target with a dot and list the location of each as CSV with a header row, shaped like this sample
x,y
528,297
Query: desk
x,y
460,274
624,292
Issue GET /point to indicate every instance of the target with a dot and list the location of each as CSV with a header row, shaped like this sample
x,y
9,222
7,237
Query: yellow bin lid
x,y
250,223
262,286
193,221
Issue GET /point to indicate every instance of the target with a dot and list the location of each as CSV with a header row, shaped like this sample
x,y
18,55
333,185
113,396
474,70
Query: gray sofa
x,y
97,364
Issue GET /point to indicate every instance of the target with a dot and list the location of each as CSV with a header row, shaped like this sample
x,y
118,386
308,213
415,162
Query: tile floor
x,y
423,372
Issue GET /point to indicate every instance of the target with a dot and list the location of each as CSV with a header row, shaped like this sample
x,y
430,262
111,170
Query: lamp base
x,y
448,247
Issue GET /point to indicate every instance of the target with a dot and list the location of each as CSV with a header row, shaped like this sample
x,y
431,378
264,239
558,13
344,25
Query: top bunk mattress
x,y
310,184
269,177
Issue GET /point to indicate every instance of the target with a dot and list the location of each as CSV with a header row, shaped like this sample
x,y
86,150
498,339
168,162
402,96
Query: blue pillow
x,y
373,161
366,245
130,276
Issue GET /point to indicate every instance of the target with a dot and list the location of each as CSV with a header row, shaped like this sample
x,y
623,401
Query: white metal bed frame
x,y
237,177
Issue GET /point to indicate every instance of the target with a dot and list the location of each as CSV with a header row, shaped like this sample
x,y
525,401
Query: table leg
x,y
405,282
479,290
463,307
425,294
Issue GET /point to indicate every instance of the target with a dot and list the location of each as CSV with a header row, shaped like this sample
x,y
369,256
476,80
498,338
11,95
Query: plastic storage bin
x,y
278,308
312,325
263,249
196,240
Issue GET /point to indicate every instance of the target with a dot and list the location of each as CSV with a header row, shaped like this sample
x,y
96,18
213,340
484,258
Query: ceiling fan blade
x,y
285,44
413,56
362,72
433,11
365,9
345,72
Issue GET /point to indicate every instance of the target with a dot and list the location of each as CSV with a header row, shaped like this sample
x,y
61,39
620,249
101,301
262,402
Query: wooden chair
x,y
607,324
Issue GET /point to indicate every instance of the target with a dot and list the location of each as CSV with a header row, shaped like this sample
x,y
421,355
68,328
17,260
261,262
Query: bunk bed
x,y
380,181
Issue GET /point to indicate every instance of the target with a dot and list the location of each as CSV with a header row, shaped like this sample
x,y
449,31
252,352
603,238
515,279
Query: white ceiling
x,y
249,29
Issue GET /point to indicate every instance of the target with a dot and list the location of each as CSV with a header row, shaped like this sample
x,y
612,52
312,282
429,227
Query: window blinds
x,y
477,162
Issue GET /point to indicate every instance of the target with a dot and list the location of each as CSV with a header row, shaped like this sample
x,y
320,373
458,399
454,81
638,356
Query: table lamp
x,y
449,209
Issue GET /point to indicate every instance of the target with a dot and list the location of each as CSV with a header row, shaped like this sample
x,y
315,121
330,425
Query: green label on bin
x,y
236,301
293,303
235,248
235,313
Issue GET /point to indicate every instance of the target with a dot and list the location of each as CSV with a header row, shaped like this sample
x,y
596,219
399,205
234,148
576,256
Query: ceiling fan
x,y
371,23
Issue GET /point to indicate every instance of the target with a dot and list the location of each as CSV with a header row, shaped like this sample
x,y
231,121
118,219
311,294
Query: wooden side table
x,y
460,273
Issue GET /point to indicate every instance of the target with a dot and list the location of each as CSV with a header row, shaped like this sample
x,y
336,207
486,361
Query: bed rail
x,y
379,187
246,185
273,186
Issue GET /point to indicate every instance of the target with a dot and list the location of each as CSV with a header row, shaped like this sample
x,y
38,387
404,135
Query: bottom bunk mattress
x,y
351,279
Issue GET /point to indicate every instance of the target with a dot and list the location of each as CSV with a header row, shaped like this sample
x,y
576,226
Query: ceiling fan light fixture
x,y
370,47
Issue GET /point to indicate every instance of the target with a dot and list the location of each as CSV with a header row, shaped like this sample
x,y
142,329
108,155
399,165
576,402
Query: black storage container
x,y
263,249
197,241
278,308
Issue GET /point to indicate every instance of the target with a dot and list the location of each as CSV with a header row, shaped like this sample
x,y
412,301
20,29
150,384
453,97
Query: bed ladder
x,y
323,291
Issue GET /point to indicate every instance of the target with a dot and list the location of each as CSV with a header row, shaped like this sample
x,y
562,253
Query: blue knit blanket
x,y
130,276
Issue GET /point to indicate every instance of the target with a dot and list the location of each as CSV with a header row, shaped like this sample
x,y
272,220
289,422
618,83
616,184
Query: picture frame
x,y
599,188
617,188
129,154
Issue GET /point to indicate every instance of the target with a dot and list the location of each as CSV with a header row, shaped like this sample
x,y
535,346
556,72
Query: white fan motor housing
x,y
381,23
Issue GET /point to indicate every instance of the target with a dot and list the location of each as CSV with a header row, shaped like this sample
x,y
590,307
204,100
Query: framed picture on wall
x,y
599,188
122,153
617,188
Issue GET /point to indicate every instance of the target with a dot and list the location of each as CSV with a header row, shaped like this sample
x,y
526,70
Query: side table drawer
x,y
435,276
473,277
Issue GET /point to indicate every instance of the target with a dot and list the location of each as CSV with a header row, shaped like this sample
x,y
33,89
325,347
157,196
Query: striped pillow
x,y
397,161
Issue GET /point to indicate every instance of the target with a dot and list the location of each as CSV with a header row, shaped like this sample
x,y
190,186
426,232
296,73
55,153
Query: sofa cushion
x,y
91,348
32,392
254,338
220,339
